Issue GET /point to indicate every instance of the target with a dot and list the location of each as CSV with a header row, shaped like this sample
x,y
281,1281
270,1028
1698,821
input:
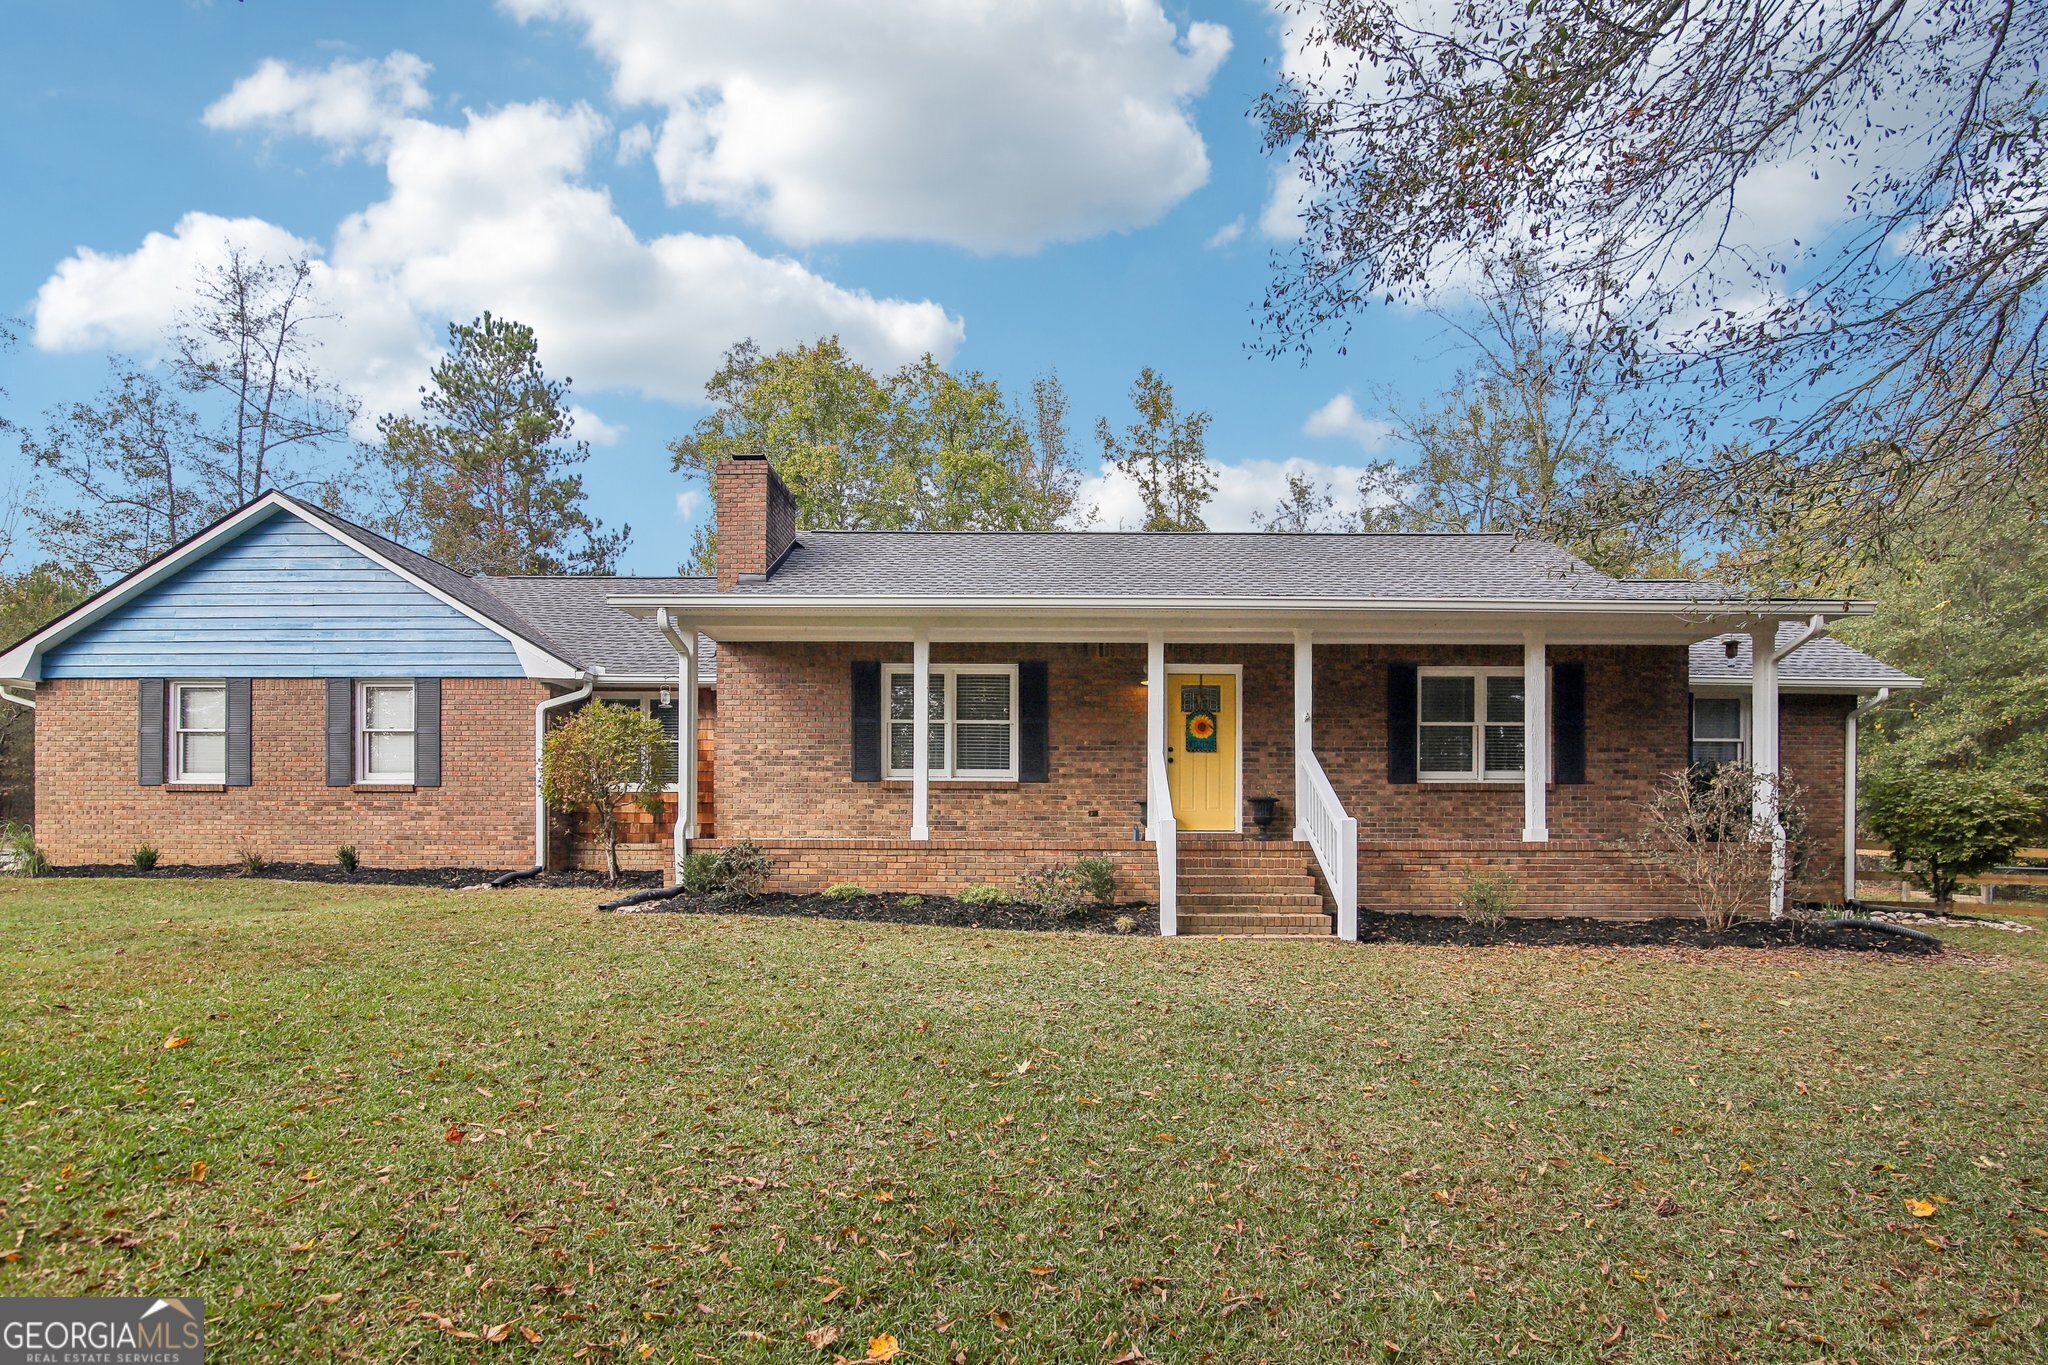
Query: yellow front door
x,y
1201,749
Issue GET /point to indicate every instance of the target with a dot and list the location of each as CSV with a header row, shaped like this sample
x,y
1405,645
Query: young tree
x,y
1944,825
1051,474
248,349
1534,437
923,448
485,475
1629,144
1698,829
1964,605
141,470
1308,505
601,757
1165,453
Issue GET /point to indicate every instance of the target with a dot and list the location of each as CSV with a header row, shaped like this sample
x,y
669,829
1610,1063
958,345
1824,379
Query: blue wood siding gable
x,y
284,599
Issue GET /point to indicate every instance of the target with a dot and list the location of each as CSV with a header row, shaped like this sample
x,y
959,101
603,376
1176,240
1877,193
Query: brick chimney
x,y
756,519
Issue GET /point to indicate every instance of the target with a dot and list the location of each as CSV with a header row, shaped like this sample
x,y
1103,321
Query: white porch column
x,y
920,735
1155,718
686,744
1763,761
1304,728
1535,740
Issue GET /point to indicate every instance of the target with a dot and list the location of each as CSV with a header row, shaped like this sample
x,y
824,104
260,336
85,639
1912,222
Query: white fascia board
x,y
1721,682
647,604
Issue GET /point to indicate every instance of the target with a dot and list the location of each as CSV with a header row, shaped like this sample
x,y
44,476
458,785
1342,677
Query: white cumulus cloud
x,y
1340,418
1243,488
997,127
495,213
350,104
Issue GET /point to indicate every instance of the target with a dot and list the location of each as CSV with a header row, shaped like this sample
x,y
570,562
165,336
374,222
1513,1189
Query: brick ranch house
x,y
1263,732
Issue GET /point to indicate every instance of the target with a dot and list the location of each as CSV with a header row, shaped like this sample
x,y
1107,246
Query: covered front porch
x,y
1401,756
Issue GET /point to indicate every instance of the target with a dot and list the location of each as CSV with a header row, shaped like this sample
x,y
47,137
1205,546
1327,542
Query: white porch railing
x,y
1334,837
1165,836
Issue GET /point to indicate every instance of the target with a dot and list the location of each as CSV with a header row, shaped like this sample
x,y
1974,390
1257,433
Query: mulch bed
x,y
1668,932
942,911
332,874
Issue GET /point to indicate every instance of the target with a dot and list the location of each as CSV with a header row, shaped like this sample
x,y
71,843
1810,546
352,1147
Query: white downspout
x,y
540,734
1856,716
6,695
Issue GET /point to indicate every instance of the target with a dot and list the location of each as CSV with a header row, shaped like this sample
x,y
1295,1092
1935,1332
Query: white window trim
x,y
1477,772
948,671
363,732
1692,735
177,732
647,701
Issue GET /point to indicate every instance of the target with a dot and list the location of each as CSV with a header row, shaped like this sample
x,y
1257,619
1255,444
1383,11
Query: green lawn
x,y
400,1117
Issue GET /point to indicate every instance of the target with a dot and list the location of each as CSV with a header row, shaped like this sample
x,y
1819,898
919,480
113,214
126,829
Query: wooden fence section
x,y
2031,871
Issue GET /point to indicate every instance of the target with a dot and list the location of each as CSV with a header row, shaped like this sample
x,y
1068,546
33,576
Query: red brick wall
x,y
89,808
756,519
1813,754
943,867
782,768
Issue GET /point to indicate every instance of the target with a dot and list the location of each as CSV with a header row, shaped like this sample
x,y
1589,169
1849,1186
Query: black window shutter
x,y
1400,722
426,732
867,720
1034,733
149,732
238,732
1568,722
341,733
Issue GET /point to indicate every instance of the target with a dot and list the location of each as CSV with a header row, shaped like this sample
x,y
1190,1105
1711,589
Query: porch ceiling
x,y
1122,620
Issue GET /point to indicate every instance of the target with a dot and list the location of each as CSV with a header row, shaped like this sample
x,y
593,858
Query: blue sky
x,y
1074,184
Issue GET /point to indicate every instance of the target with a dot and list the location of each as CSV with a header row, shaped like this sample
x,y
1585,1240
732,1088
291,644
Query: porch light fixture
x,y
1729,646
667,699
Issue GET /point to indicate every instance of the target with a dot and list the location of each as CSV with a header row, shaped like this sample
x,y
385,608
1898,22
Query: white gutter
x,y
6,695
1864,708
540,734
1626,607
1815,625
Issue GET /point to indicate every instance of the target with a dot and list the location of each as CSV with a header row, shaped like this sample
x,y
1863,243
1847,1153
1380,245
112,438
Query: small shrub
x,y
24,852
144,857
1490,897
909,902
1060,889
251,861
1943,826
1126,925
345,856
1100,875
737,872
1697,831
981,893
845,891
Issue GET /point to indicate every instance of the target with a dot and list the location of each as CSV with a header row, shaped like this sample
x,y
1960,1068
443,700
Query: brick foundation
x,y
90,808
941,867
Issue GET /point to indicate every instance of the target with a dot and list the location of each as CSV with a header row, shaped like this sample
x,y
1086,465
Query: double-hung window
x,y
1716,731
667,710
973,713
384,732
199,732
1469,725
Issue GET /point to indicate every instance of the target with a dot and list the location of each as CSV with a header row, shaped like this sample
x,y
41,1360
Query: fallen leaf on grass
x,y
1920,1208
175,1041
819,1338
883,1348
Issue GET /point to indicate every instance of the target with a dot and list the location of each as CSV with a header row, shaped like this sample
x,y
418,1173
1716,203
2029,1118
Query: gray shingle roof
x,y
1196,564
573,610
1822,659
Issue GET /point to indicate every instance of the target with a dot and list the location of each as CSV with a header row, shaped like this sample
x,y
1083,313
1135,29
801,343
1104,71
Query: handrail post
x,y
1158,794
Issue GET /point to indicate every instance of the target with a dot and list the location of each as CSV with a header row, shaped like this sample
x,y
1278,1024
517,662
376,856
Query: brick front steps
x,y
1248,888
